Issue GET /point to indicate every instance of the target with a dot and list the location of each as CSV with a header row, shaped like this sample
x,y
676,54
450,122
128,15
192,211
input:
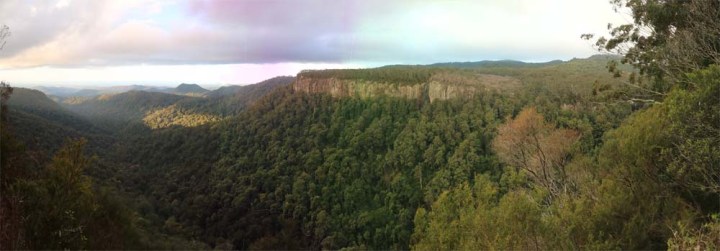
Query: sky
x,y
158,42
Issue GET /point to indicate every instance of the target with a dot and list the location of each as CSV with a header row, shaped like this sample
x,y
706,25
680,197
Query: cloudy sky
x,y
96,42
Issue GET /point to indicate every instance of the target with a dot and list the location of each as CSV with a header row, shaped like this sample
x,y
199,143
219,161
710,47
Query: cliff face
x,y
436,89
355,88
439,91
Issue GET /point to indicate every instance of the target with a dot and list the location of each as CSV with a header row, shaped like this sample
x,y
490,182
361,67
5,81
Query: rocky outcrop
x,y
433,90
355,88
439,91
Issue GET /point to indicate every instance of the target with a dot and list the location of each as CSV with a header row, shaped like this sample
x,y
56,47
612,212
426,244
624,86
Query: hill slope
x,y
577,76
124,110
231,100
44,125
303,167
189,88
144,109
338,159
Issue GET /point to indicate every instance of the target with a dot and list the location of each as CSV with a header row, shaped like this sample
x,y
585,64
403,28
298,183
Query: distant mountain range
x,y
58,112
515,63
64,92
60,93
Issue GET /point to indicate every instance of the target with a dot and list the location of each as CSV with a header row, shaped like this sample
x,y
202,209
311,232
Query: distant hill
x,y
29,99
116,111
490,63
57,91
230,100
605,57
185,105
44,125
189,88
62,93
515,63
257,88
126,88
224,91
449,80
87,93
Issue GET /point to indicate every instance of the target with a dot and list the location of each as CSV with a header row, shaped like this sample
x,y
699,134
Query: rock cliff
x,y
437,88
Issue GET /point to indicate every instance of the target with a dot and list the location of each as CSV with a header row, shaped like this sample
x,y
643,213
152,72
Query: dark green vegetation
x,y
571,158
134,111
43,124
310,171
74,199
231,100
120,111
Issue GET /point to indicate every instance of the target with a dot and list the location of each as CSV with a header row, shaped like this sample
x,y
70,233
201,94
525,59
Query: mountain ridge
x,y
445,81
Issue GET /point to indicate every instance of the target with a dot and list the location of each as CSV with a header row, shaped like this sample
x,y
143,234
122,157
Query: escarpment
x,y
441,86
355,88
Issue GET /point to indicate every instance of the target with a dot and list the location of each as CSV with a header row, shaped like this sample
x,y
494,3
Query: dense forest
x,y
615,151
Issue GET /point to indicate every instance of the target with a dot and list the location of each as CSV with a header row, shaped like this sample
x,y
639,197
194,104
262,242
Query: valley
x,y
329,159
369,125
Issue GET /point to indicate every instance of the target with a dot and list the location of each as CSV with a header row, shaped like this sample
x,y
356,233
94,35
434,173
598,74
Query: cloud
x,y
57,33
112,33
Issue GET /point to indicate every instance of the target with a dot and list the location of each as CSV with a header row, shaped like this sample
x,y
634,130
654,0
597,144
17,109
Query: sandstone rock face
x,y
356,88
436,89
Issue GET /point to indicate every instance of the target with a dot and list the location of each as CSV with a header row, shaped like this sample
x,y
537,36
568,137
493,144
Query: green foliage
x,y
59,206
62,210
43,125
666,40
307,171
644,188
695,132
330,173
116,112
231,100
174,116
670,151
134,112
301,170
706,237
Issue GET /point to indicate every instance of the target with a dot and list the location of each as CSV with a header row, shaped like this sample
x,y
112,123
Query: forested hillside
x,y
606,152
73,198
43,124
192,89
136,111
301,170
124,110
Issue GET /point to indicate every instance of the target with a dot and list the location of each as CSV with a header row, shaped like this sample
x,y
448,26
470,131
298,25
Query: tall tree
x,y
529,143
59,202
666,39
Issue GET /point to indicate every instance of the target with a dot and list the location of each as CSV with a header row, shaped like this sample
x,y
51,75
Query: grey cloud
x,y
227,32
32,25
103,32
